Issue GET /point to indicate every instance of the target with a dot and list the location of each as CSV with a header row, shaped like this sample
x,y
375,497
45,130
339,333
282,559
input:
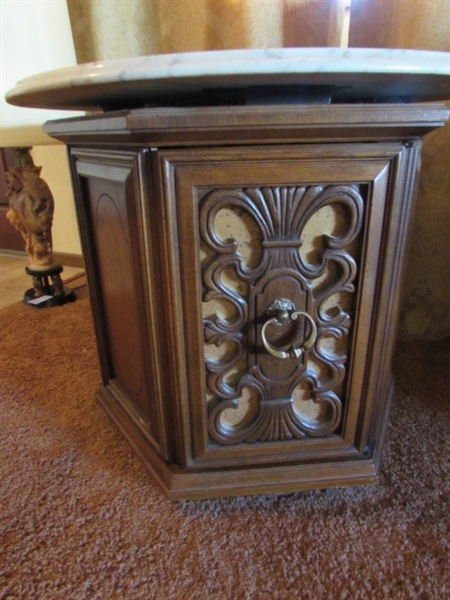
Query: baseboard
x,y
64,258
14,253
69,260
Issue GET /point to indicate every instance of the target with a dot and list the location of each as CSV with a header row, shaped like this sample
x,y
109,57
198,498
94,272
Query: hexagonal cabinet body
x,y
245,267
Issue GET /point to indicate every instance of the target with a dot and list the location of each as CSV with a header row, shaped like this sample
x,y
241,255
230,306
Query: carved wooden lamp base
x,y
44,294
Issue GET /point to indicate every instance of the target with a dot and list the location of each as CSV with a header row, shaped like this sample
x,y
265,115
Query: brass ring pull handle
x,y
284,311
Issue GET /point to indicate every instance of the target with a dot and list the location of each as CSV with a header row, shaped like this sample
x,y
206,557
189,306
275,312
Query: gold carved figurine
x,y
31,208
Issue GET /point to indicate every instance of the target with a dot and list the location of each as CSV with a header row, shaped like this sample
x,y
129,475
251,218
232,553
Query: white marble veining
x,y
350,72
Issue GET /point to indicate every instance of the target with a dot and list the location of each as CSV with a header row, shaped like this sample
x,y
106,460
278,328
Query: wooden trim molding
x,y
69,260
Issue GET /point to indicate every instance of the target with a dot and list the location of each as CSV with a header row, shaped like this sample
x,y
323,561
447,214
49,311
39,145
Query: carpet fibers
x,y
82,519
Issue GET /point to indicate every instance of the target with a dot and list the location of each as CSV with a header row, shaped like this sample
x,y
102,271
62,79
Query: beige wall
x,y
55,171
35,37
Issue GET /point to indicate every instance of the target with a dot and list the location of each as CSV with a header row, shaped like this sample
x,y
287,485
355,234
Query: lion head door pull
x,y
283,312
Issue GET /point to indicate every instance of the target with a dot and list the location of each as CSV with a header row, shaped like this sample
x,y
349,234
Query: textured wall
x,y
425,25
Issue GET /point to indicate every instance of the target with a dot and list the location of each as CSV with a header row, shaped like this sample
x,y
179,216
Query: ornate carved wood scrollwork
x,y
281,214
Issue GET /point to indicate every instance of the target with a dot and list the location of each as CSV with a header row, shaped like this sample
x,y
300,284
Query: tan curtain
x,y
105,29
409,24
421,25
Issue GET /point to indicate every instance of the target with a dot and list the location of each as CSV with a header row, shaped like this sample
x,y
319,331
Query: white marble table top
x,y
345,74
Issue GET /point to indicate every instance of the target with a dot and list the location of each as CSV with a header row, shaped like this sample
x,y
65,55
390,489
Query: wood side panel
x,y
370,268
148,215
107,195
396,232
111,227
172,321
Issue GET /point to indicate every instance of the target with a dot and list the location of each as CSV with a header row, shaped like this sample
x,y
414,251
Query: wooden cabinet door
x,y
322,227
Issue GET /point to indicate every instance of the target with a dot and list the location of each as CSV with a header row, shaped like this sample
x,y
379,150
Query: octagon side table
x,y
245,218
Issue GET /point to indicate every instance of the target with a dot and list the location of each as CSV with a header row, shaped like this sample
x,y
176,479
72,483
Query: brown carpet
x,y
82,519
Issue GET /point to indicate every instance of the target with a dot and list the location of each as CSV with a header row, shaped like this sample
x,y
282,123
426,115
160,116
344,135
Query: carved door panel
x,y
280,255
